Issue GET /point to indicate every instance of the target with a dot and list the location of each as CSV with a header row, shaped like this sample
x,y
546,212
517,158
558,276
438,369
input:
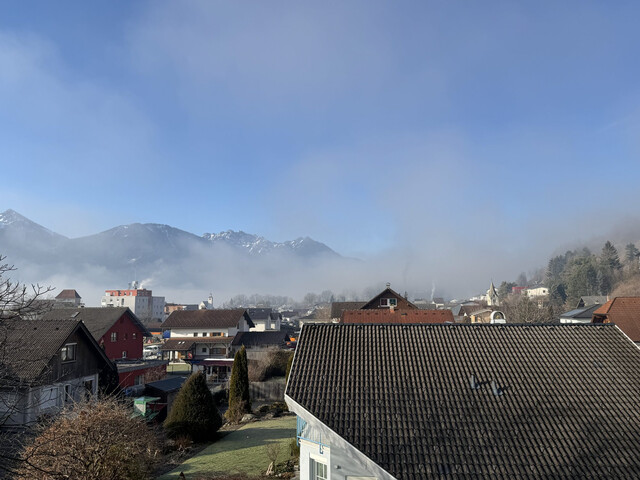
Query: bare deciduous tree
x,y
94,441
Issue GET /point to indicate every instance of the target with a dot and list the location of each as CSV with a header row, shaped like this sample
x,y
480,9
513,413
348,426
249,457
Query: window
x,y
218,351
204,349
125,335
195,334
68,352
318,470
134,335
388,302
114,336
138,380
215,334
124,354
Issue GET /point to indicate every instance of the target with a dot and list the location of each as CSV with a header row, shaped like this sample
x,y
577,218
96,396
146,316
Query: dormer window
x,y
68,352
388,302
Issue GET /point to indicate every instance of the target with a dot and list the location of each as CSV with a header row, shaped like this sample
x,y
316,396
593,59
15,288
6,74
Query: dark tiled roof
x,y
397,316
260,338
592,300
167,385
567,403
259,313
67,295
207,318
98,320
624,312
581,313
29,345
338,307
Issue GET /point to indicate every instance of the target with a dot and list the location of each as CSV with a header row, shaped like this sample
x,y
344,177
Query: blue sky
x,y
478,127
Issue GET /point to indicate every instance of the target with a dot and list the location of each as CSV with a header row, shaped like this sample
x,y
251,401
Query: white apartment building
x,y
139,300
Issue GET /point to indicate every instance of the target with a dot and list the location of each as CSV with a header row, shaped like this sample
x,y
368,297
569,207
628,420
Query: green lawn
x,y
241,451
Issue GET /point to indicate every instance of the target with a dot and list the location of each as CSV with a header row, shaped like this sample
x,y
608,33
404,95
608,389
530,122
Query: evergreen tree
x,y
631,254
557,293
239,399
194,413
505,289
609,257
555,269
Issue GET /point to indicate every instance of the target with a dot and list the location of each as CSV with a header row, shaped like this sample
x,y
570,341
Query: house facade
x,y
51,364
120,335
203,339
264,319
389,298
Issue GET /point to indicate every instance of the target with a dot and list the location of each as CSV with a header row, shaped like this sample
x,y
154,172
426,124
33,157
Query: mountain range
x,y
159,255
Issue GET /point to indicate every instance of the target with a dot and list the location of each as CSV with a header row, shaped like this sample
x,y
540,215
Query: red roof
x,y
397,316
622,311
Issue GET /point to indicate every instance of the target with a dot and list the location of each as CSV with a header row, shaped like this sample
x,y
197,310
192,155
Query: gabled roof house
x,y
45,365
117,329
466,401
203,339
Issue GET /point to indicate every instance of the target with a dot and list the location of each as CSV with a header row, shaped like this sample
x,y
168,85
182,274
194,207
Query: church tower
x,y
492,296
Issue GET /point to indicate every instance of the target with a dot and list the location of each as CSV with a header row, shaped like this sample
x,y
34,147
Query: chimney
x,y
392,308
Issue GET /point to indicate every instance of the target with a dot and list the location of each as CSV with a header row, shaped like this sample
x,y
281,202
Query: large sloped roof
x,y
27,346
260,338
584,312
207,318
476,401
98,320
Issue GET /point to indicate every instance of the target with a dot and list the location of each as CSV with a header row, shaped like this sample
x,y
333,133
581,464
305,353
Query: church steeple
x,y
492,296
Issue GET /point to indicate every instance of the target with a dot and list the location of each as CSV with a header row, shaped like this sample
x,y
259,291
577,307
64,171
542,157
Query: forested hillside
x,y
572,275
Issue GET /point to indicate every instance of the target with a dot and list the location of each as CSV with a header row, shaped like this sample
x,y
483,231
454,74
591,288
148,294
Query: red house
x,y
121,335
